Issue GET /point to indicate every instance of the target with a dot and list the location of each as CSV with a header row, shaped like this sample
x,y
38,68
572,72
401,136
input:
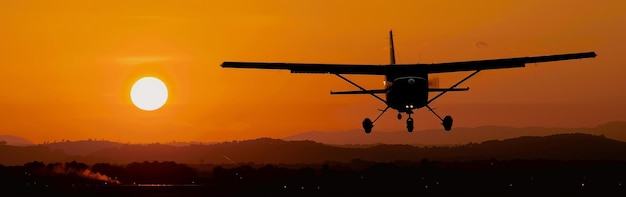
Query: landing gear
x,y
409,122
446,121
368,125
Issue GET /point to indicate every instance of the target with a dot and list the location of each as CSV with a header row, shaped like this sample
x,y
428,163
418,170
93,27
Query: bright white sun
x,y
148,93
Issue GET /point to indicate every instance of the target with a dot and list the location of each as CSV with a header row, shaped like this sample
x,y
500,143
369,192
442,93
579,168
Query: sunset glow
x,y
68,67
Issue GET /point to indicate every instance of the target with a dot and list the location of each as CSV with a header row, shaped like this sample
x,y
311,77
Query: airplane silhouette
x,y
407,86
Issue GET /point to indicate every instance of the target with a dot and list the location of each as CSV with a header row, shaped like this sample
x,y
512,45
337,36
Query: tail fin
x,y
391,49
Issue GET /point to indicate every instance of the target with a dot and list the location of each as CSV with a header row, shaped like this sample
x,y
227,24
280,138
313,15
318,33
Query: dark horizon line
x,y
283,138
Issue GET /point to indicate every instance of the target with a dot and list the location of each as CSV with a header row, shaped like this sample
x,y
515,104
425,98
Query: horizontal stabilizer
x,y
447,89
382,91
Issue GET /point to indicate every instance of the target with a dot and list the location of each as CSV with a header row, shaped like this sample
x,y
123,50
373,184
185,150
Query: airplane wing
x,y
312,68
370,69
498,63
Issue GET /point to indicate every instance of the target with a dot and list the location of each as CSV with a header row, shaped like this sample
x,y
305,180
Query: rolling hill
x,y
15,141
458,136
573,146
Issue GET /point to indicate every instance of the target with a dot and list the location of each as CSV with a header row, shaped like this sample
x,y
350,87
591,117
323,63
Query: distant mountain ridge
x,y
267,150
83,147
15,141
614,130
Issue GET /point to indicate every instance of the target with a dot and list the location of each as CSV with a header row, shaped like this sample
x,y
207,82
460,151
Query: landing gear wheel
x,y
399,116
447,123
409,124
368,125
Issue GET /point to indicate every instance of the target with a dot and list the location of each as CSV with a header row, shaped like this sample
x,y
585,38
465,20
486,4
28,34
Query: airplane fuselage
x,y
406,93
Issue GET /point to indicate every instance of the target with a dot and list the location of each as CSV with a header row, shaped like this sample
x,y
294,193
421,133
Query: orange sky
x,y
67,66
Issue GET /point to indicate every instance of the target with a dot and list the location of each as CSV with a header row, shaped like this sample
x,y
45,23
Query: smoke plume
x,y
85,173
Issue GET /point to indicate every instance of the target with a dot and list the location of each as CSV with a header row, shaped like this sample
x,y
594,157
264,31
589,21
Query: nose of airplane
x,y
411,81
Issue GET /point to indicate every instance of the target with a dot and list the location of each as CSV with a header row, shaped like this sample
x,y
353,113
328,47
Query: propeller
x,y
433,82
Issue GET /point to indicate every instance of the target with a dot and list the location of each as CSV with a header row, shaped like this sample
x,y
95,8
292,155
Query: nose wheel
x,y
409,124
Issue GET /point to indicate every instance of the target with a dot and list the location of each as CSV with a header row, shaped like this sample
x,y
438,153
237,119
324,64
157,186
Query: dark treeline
x,y
358,177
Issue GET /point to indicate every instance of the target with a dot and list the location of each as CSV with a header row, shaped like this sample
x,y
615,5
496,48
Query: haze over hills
x,y
276,151
614,130
458,136
604,141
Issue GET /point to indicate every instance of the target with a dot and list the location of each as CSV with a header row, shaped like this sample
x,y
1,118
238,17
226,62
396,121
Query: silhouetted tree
x,y
35,166
116,172
161,172
76,165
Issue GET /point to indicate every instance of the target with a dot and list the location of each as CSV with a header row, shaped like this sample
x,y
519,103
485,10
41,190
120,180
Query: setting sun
x,y
149,93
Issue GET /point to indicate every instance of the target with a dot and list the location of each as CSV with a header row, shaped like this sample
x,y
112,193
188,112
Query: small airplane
x,y
407,86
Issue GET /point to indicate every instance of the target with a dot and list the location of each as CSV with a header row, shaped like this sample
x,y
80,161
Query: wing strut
x,y
381,113
364,90
452,87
